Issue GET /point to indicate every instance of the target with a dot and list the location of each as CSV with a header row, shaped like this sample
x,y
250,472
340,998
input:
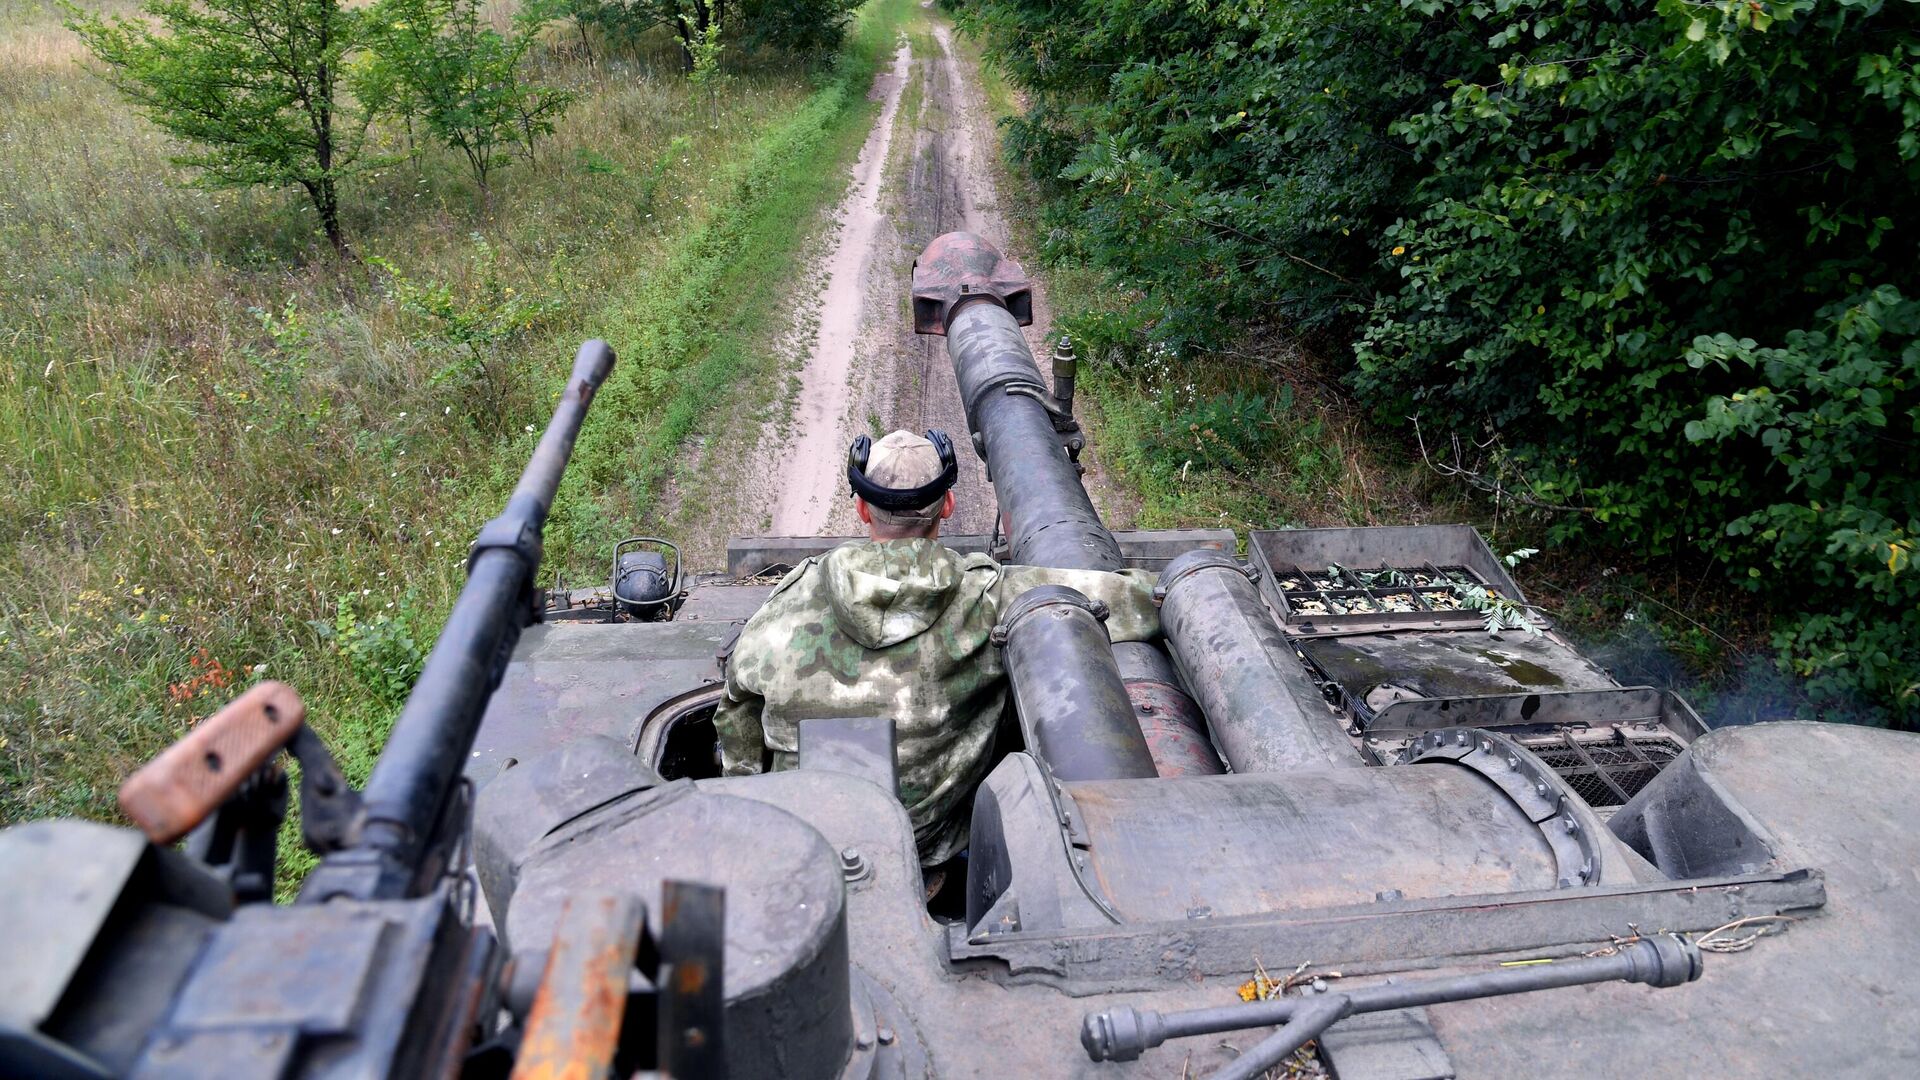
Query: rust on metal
x,y
573,1028
1176,732
960,266
176,791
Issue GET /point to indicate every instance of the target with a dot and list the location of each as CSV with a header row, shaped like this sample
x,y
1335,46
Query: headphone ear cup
x,y
857,455
943,445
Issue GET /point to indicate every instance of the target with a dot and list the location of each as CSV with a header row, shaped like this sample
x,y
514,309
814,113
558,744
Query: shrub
x,y
382,646
1564,234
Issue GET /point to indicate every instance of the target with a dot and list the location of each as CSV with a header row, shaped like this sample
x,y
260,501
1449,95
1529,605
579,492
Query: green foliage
x,y
805,28
442,62
253,87
165,500
704,49
382,647
1560,235
1221,431
1836,411
470,328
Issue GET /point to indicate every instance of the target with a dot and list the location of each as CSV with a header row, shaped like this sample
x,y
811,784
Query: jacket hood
x,y
884,592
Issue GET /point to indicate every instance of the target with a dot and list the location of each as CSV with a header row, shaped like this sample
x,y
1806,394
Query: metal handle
x,y
673,589
177,790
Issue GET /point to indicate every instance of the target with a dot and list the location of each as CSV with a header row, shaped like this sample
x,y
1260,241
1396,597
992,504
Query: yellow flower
x,y
1399,251
1541,310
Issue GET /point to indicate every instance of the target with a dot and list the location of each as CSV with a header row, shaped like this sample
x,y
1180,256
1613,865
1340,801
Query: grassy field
x,y
228,454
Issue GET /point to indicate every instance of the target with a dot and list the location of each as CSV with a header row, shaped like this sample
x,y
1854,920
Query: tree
x,y
254,87
442,61
802,27
706,50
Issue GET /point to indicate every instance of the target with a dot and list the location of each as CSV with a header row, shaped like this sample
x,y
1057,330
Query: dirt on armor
x,y
857,367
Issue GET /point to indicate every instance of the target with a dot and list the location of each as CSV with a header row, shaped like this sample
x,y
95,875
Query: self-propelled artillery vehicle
x,y
1360,811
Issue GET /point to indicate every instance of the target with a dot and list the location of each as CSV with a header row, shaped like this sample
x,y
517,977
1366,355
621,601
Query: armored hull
x,y
1381,793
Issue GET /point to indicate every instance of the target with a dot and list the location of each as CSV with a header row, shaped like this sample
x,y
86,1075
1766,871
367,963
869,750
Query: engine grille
x,y
1607,773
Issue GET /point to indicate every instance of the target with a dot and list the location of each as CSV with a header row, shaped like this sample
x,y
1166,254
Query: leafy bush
x,y
382,646
1224,431
251,88
443,62
1835,410
1561,236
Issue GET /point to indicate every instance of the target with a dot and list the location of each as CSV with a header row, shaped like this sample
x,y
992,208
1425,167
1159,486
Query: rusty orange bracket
x,y
176,791
573,1029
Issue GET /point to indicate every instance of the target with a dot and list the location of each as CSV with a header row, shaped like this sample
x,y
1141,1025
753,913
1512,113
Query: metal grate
x,y
1607,773
1340,590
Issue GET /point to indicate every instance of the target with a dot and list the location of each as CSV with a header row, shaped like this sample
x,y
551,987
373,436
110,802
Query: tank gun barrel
x,y
407,795
965,290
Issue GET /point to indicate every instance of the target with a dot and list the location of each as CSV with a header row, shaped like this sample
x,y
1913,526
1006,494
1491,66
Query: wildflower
x,y
336,532
1399,250
402,416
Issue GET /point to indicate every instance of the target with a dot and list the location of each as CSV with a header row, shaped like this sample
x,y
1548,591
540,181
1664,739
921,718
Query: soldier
x,y
898,626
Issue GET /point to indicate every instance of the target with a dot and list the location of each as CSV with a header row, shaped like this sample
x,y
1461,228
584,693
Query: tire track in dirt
x,y
924,170
814,452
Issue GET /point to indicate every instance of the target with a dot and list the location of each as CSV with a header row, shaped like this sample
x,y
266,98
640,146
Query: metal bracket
x,y
1537,790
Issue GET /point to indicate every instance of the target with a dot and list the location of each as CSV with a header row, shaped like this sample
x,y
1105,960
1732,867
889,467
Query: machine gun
x,y
133,958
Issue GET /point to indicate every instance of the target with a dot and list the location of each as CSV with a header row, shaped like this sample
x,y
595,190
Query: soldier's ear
x,y
860,507
946,504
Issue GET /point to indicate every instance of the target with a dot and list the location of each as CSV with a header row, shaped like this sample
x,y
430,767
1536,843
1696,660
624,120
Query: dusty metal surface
x,y
1565,823
1073,707
1384,936
1264,712
1141,549
568,680
1452,664
1829,993
1168,716
1221,846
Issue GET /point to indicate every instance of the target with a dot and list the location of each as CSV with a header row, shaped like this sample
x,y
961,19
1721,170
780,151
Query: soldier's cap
x,y
903,473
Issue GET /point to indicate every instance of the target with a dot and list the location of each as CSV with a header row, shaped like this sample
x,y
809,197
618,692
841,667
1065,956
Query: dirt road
x,y
925,169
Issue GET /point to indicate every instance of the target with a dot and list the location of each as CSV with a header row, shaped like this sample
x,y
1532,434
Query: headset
x,y
902,500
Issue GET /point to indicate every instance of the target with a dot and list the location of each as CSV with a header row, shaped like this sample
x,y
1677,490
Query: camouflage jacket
x,y
898,628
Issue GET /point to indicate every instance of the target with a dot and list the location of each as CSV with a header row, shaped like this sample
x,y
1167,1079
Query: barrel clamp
x,y
1537,790
1045,596
1192,562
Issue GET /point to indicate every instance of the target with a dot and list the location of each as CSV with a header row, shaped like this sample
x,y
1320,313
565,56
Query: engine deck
x,y
1520,807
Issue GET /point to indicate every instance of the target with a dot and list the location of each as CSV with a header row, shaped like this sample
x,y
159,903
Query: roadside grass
x,y
227,455
704,324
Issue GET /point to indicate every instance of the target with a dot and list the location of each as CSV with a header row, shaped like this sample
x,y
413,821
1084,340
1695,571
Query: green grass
x,y
216,434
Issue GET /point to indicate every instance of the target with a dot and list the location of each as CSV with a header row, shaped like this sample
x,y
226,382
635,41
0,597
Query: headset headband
x,y
902,500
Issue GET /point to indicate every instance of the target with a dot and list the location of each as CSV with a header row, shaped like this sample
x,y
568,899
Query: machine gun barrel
x,y
417,772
